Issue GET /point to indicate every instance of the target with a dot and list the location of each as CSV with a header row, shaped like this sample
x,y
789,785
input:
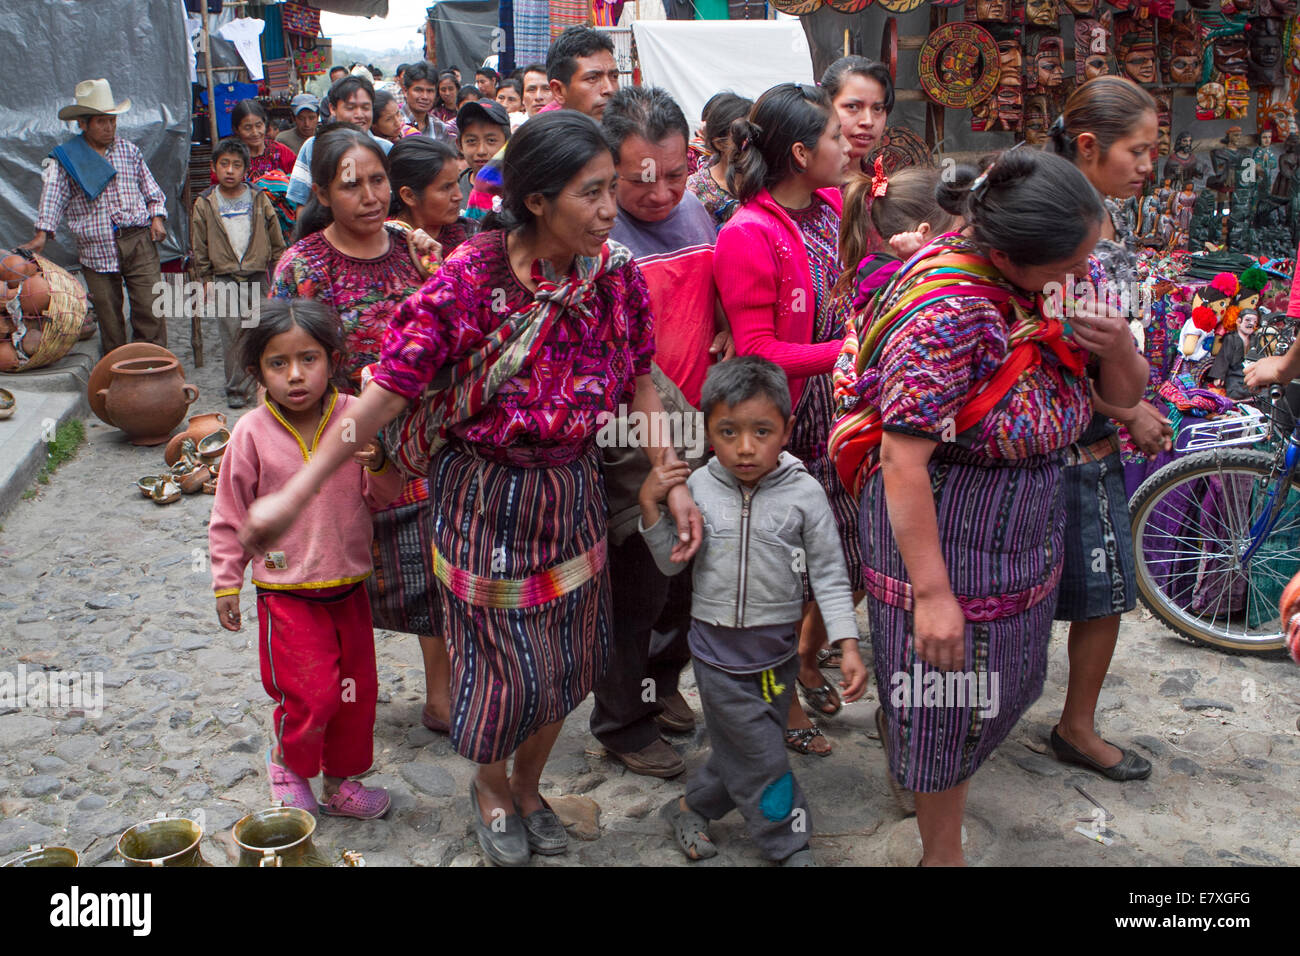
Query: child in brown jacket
x,y
236,241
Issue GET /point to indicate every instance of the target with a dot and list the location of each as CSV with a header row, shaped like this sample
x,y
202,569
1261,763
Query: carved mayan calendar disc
x,y
900,6
899,148
848,6
959,65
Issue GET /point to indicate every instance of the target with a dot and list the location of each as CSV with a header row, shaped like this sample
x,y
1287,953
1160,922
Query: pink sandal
x,y
354,800
289,788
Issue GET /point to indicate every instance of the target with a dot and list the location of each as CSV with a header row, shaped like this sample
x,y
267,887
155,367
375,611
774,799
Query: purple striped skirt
x,y
402,595
1001,529
516,668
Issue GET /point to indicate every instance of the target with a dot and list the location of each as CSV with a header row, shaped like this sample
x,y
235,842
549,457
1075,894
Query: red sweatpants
x,y
317,648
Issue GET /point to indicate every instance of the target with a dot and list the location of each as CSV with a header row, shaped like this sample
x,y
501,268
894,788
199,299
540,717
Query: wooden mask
x,y
1136,49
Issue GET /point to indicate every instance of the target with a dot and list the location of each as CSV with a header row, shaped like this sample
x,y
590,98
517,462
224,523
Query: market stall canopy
x,y
693,59
142,50
355,8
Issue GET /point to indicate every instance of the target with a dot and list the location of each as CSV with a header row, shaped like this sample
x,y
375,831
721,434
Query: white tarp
x,y
693,59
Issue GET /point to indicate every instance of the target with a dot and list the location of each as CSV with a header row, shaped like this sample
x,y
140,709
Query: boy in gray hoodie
x,y
766,521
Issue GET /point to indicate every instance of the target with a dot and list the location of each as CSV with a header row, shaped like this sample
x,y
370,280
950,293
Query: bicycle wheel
x,y
1191,522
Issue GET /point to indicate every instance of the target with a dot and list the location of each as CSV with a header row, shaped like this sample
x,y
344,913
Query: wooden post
x,y
212,90
846,41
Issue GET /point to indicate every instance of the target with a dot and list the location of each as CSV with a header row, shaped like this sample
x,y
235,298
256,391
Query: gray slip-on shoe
x,y
546,834
506,846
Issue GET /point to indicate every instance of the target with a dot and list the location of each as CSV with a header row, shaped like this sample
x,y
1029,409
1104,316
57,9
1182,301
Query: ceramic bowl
x,y
147,485
7,403
165,491
213,446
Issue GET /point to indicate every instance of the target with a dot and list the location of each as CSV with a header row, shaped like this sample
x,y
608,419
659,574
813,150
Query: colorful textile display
x,y
567,13
300,19
311,62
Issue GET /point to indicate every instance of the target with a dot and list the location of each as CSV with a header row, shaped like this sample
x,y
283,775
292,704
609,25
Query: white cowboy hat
x,y
94,98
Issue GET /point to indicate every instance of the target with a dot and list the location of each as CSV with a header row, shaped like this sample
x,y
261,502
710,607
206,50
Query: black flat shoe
x,y
507,846
1130,766
546,834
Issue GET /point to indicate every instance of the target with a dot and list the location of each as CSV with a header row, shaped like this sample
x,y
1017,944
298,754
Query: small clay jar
x,y
162,841
148,398
35,296
43,856
14,269
192,482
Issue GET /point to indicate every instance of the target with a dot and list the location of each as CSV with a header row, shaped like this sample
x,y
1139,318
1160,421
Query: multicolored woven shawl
x,y
950,266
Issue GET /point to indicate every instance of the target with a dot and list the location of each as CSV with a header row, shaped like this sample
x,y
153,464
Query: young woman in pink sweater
x,y
775,265
315,639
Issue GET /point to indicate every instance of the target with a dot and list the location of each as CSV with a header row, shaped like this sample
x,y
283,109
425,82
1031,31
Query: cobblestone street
x,y
94,578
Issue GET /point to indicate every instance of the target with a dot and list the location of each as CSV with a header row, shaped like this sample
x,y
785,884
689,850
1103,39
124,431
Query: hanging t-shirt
x,y
228,96
193,25
237,218
245,34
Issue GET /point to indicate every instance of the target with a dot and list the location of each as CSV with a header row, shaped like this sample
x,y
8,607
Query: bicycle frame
x,y
1265,523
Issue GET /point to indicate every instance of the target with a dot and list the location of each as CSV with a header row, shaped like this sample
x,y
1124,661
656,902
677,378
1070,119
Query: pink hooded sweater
x,y
763,279
329,544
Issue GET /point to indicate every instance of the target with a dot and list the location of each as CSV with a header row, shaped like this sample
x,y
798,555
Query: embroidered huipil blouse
x,y
548,413
928,369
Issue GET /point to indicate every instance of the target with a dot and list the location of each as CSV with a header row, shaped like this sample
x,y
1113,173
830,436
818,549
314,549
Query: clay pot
x,y
7,403
281,836
35,296
200,427
148,483
14,268
162,841
148,398
193,482
41,856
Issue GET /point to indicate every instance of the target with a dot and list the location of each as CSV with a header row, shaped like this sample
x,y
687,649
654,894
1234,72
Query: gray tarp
x,y
463,34
139,46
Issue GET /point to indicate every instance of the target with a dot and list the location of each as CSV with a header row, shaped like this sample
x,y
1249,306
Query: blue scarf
x,y
88,169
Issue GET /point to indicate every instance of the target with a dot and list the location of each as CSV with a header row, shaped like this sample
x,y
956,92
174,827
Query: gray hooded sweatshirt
x,y
757,541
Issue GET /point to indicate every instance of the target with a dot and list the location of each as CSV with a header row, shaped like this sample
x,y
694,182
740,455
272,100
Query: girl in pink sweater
x,y
315,639
775,266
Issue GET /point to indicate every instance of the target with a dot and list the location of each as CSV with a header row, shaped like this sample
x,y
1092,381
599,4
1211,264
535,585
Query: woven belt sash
x,y
531,591
898,594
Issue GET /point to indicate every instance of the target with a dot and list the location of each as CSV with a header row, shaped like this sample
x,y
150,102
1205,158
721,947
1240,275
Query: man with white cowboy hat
x,y
116,212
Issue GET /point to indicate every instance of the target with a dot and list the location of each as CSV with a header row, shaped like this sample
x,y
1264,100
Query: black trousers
x,y
646,607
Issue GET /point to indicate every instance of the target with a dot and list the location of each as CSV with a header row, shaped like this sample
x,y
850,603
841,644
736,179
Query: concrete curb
x,y
47,397
23,437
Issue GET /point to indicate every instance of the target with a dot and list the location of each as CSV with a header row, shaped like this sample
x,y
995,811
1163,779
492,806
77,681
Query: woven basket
x,y
63,316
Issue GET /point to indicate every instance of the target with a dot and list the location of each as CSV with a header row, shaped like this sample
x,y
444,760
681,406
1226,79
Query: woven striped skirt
x,y
402,593
520,567
1001,529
